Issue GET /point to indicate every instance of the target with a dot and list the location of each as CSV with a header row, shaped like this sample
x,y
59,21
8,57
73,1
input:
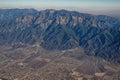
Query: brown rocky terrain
x,y
35,63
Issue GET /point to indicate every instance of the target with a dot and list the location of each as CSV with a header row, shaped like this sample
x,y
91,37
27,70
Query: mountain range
x,y
60,30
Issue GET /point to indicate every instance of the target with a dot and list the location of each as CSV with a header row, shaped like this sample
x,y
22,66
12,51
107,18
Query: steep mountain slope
x,y
9,14
61,30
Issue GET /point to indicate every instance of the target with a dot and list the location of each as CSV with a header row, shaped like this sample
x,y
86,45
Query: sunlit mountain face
x,y
59,40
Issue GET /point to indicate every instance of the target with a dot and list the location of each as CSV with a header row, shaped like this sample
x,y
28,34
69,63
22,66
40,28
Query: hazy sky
x,y
92,6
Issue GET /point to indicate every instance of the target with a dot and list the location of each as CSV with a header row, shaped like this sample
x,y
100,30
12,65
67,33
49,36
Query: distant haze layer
x,y
107,7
